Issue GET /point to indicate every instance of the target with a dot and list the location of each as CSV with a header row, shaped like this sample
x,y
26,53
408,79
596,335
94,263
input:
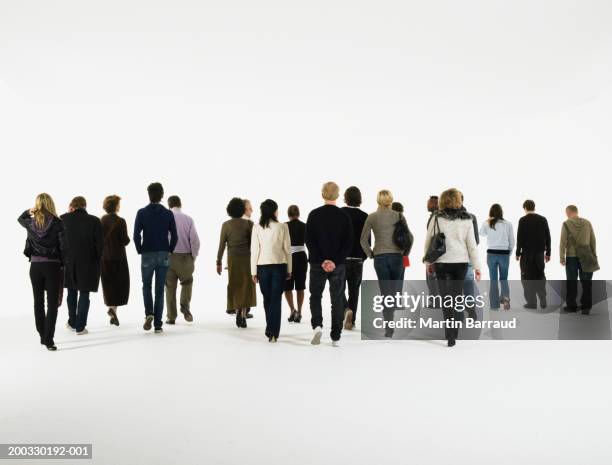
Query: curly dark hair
x,y
235,207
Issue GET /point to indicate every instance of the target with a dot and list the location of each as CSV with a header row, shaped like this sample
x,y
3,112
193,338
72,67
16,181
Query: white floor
x,y
209,393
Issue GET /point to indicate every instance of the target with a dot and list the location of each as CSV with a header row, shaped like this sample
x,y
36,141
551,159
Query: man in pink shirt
x,y
182,262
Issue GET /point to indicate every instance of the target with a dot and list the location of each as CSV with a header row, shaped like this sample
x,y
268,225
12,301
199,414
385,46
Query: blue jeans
x,y
154,264
78,308
272,280
389,269
498,271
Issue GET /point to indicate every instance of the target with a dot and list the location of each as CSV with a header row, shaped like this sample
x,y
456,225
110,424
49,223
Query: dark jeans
x,y
318,278
46,277
389,269
432,286
498,273
450,281
354,275
533,277
78,308
154,264
272,284
573,270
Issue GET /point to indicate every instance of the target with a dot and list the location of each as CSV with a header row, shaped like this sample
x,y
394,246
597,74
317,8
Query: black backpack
x,y
402,237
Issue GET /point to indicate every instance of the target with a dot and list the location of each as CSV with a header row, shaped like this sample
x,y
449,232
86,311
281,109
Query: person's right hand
x,y
219,269
518,257
562,262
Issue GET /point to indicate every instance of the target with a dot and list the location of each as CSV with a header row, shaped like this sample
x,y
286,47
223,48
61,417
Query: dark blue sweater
x,y
155,222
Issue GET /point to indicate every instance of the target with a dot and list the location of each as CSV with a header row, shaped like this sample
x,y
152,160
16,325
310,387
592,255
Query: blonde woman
x,y
450,268
45,248
388,256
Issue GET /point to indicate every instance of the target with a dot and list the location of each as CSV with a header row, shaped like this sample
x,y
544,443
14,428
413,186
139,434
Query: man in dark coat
x,y
82,264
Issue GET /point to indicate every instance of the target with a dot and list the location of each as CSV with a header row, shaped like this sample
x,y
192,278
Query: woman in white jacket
x,y
271,263
451,267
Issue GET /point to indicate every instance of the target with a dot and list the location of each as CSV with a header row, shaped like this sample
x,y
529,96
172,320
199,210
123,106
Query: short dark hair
x,y
174,201
235,207
293,211
78,202
398,207
352,196
111,203
156,192
529,205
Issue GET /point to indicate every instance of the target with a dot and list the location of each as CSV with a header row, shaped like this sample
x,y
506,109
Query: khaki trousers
x,y
181,270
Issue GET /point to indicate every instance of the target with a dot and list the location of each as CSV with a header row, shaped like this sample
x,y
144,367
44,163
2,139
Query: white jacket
x,y
461,244
270,246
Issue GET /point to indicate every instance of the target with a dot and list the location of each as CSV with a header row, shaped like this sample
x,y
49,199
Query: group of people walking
x,y
77,250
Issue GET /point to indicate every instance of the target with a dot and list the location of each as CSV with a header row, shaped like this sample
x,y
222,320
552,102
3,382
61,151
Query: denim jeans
x,y
318,278
354,275
78,308
573,270
389,269
154,264
272,284
498,272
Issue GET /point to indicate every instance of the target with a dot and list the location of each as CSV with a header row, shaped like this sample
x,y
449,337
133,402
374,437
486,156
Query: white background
x,y
504,100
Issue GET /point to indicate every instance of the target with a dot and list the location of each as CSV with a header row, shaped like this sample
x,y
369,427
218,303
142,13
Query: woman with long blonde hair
x,y
45,248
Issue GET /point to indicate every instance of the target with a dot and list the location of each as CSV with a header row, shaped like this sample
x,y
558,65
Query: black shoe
x,y
113,317
298,318
51,348
451,343
530,307
543,305
586,310
248,315
230,312
270,338
389,332
292,316
170,322
243,322
570,309
238,320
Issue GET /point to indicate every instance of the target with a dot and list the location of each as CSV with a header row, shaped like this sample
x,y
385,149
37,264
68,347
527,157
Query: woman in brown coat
x,y
115,271
236,236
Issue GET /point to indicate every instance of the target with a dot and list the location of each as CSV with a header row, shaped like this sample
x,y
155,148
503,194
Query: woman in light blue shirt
x,y
500,244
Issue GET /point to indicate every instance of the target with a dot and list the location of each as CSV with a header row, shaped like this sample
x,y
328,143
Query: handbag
x,y
402,237
437,247
588,260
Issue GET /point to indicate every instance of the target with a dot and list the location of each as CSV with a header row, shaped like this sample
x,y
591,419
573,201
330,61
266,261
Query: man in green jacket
x,y
577,249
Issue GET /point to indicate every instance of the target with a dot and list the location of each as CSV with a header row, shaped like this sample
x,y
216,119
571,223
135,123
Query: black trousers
x,y
354,275
318,278
573,270
450,278
46,277
533,277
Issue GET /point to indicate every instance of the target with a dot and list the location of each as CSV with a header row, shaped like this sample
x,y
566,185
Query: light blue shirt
x,y
500,238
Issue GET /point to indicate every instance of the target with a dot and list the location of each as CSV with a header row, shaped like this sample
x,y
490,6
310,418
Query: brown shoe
x,y
148,322
188,316
348,319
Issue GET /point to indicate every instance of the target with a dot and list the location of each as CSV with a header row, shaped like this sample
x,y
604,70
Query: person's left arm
x,y
173,233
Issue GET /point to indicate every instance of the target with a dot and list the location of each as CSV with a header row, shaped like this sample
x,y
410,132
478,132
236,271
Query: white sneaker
x,y
316,336
82,333
335,343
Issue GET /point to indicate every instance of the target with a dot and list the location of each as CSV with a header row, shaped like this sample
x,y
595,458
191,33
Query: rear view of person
x,y
82,264
114,266
578,252
45,248
356,257
388,256
455,227
329,238
155,238
182,262
299,259
271,264
533,252
500,244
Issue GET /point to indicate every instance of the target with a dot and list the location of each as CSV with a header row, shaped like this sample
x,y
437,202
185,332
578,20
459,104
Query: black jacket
x,y
533,235
358,218
82,263
49,242
329,235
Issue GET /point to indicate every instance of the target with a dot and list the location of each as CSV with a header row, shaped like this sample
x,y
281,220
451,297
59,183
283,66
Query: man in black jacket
x,y
329,238
533,252
82,263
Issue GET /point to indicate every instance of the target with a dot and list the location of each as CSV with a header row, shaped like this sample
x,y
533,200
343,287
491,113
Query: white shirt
x,y
270,246
500,238
461,244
